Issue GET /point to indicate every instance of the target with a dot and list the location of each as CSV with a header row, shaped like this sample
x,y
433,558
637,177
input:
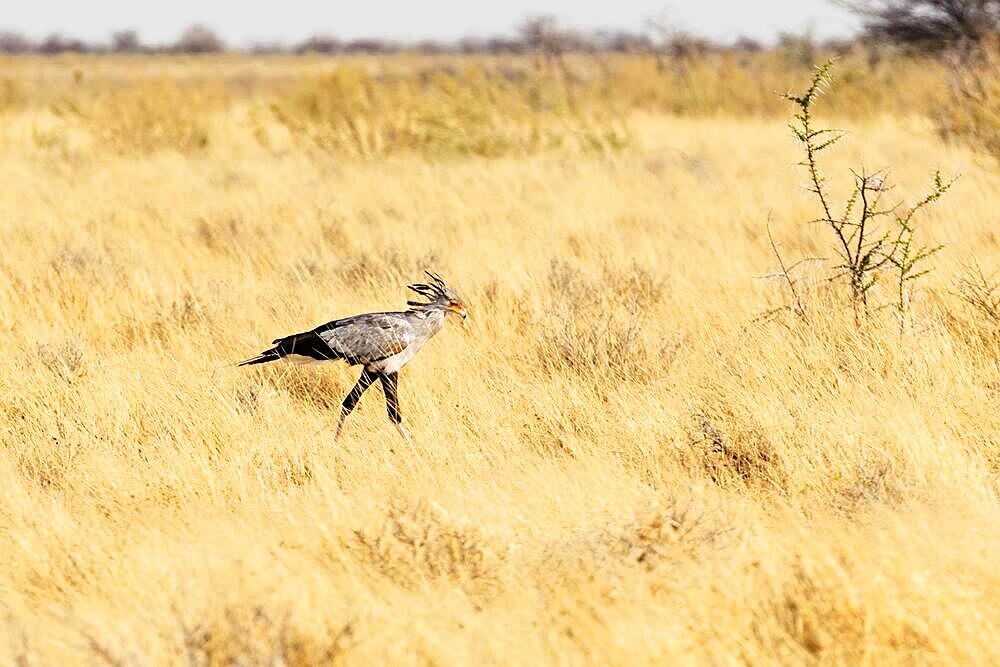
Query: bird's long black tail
x,y
268,355
308,346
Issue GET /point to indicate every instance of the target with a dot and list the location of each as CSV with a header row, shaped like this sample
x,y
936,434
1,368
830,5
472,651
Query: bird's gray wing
x,y
364,339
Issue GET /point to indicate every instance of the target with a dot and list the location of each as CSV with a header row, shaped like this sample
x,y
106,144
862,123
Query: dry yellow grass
x,y
616,461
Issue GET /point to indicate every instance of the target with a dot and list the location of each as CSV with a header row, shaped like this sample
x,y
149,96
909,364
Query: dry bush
x,y
664,536
865,251
415,545
734,450
232,635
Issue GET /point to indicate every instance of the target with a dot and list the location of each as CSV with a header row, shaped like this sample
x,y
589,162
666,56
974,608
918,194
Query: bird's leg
x,y
352,399
390,385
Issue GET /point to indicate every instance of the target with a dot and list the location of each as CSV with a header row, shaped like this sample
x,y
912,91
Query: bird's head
x,y
438,296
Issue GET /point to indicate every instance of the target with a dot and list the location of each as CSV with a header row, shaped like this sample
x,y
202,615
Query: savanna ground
x,y
629,454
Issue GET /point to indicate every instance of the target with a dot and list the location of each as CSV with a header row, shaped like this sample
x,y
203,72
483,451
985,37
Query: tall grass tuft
x,y
464,111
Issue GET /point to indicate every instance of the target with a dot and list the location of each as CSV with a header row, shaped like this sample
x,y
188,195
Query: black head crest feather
x,y
432,291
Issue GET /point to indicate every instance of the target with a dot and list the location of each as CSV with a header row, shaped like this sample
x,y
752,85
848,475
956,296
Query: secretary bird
x,y
381,342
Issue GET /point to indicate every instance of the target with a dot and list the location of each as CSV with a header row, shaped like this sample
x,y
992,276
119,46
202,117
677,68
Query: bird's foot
x,y
406,437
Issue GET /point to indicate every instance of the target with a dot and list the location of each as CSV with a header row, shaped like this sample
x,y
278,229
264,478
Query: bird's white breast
x,y
421,335
397,361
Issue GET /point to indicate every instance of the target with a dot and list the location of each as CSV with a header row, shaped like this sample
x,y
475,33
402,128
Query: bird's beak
x,y
458,309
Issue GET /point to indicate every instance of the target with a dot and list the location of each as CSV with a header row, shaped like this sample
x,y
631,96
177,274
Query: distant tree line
x,y
196,39
535,35
919,24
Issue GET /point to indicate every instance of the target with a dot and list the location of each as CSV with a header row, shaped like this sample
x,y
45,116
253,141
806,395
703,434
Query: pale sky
x,y
242,23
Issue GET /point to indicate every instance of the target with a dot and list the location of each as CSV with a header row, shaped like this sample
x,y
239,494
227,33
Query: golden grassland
x,y
617,459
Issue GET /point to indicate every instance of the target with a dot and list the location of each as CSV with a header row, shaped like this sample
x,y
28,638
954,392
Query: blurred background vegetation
x,y
543,87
